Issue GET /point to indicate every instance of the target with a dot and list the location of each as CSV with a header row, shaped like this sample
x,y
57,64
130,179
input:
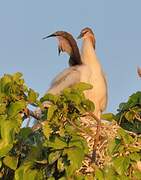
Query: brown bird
x,y
75,73
67,44
139,71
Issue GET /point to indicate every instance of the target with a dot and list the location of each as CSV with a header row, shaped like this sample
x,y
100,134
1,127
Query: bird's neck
x,y
88,54
75,58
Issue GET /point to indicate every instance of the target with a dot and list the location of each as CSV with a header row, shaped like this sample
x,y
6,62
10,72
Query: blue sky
x,y
116,25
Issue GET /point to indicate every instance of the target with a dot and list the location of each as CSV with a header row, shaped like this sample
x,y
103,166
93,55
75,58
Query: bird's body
x,y
98,94
69,77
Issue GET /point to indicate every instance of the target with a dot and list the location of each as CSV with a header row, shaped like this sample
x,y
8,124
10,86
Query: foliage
x,y
130,112
53,147
54,151
125,149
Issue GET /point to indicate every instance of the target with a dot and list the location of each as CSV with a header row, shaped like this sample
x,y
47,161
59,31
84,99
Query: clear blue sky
x,y
116,24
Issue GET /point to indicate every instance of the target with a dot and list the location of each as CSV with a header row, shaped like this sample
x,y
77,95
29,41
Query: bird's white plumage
x,y
97,78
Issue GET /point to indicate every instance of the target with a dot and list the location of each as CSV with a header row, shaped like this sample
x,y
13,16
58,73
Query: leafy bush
x,y
53,147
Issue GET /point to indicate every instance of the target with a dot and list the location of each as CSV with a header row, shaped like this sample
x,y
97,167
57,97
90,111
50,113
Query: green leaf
x,y
121,164
54,156
73,96
49,97
4,81
130,115
109,173
32,96
133,100
135,156
46,129
60,165
108,116
99,174
11,162
57,143
34,153
126,137
114,145
132,148
7,132
88,105
25,171
78,141
16,107
123,177
76,156
82,86
0,163
17,76
51,111
25,132
2,108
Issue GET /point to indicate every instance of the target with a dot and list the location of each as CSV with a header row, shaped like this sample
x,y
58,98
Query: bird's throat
x,y
88,54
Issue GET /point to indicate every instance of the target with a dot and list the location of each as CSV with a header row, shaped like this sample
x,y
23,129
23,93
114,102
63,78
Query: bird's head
x,y
87,33
67,44
64,41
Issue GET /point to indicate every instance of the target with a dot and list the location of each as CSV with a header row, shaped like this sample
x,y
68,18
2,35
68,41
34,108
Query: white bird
x,y
98,94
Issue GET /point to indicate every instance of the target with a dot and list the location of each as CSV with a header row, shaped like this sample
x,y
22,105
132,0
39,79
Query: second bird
x,y
98,94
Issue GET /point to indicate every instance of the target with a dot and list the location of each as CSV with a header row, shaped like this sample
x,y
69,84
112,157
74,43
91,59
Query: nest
x,y
100,133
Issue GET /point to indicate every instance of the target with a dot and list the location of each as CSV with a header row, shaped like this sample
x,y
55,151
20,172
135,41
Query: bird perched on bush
x,y
98,94
77,72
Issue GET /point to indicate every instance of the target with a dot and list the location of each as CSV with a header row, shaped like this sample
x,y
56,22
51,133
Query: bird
x,y
76,72
139,71
98,94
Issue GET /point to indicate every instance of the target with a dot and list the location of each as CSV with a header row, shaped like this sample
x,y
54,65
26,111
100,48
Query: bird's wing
x,y
65,79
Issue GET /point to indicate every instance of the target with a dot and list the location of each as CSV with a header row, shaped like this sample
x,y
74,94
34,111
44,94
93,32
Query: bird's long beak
x,y
80,36
52,35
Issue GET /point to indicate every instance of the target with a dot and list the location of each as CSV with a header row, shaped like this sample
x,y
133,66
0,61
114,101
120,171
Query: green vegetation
x,y
54,147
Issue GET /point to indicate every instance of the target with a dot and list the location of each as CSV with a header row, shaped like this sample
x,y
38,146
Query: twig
x,y
97,135
28,113
137,116
28,122
36,127
75,126
79,129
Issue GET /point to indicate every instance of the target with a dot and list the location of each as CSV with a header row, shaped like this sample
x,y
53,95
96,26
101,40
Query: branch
x,y
77,128
97,135
28,113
